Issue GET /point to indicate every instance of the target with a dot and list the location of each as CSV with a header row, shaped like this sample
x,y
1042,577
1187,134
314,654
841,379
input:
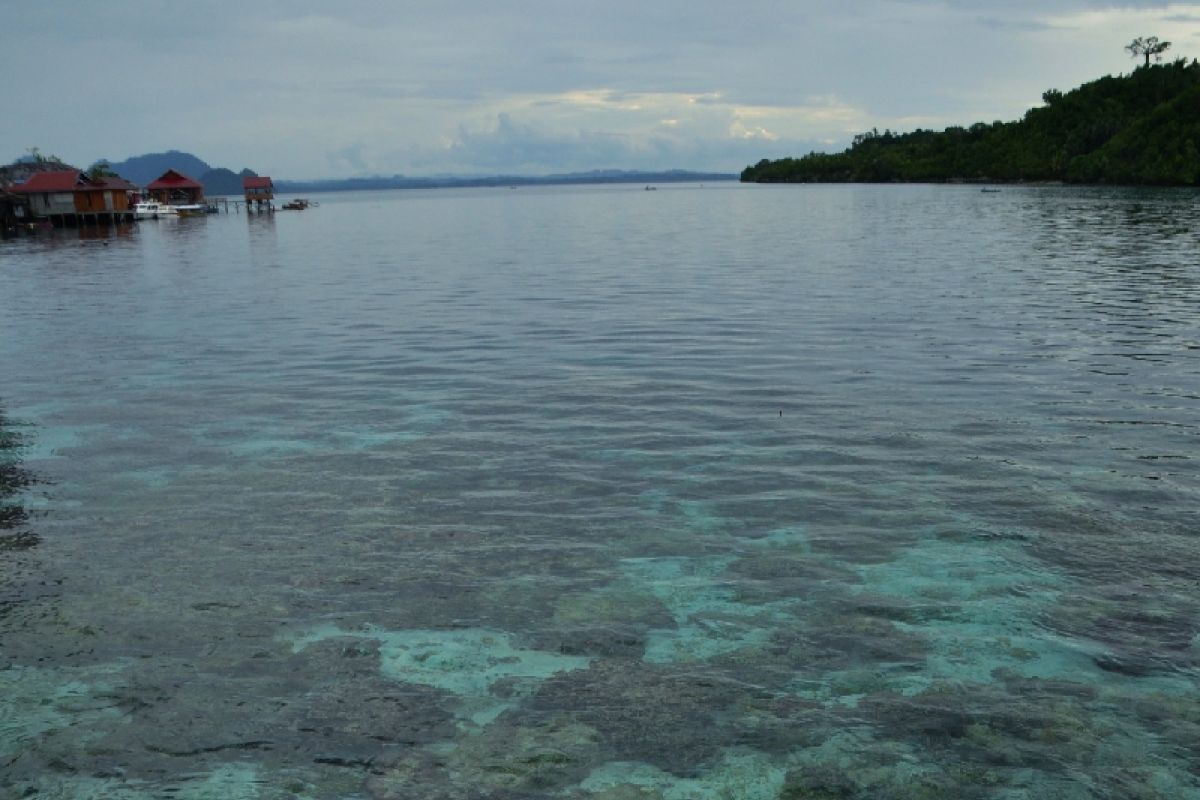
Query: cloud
x,y
1015,24
583,129
523,146
350,157
295,87
512,145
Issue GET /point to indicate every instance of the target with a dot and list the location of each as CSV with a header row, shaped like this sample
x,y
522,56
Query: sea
x,y
712,492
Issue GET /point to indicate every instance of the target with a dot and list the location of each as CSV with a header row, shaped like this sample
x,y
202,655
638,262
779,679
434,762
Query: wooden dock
x,y
222,204
87,219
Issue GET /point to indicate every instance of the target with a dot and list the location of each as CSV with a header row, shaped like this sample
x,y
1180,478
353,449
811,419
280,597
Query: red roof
x,y
260,182
115,183
174,180
70,180
64,180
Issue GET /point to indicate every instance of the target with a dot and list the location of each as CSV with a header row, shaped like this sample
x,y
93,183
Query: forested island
x,y
1140,128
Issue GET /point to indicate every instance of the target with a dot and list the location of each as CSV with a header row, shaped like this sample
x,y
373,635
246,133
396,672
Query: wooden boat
x,y
296,205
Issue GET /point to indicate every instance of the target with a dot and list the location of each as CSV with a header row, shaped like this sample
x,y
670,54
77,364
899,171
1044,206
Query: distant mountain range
x,y
217,181
594,176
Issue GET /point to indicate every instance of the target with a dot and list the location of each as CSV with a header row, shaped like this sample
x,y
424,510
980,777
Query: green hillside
x,y
1141,128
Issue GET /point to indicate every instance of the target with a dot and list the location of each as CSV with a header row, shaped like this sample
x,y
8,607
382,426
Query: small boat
x,y
192,210
296,205
152,209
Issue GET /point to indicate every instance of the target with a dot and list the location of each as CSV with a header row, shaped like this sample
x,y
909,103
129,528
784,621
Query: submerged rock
x,y
504,761
660,716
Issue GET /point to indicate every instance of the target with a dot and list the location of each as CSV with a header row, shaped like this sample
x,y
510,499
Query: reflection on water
x,y
601,494
101,233
13,481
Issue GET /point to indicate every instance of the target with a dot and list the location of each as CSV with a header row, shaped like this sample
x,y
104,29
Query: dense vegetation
x,y
1141,128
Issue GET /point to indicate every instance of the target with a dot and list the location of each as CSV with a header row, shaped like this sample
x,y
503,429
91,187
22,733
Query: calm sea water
x,y
604,494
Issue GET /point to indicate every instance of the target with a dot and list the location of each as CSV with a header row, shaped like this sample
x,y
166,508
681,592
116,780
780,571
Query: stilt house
x,y
258,189
175,188
71,196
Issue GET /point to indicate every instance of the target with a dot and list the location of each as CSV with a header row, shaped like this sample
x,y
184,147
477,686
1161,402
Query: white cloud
x,y
306,89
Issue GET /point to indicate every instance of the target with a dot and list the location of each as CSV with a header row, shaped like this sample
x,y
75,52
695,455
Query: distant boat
x,y
152,209
298,204
990,191
651,188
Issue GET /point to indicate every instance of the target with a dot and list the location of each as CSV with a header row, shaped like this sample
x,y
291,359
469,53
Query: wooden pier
x,y
252,206
85,219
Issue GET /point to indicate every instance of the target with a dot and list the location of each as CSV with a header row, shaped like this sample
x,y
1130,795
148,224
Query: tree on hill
x,y
1147,46
32,162
34,156
100,169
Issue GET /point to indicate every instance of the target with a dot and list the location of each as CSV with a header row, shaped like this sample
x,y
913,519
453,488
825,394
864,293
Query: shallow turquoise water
x,y
711,492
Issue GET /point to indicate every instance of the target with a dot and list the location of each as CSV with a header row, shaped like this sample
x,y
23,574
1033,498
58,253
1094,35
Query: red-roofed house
x,y
258,189
176,188
70,193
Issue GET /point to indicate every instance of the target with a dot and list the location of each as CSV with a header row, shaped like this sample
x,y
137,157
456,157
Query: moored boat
x,y
152,209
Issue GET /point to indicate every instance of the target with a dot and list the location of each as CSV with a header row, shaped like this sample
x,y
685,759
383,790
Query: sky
x,y
345,88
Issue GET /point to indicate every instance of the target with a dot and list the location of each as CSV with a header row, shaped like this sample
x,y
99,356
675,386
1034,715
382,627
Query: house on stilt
x,y
70,197
176,189
259,191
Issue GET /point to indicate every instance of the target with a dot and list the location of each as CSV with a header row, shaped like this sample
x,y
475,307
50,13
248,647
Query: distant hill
x,y
143,169
1141,128
222,181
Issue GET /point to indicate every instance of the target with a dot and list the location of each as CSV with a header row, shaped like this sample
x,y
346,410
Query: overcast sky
x,y
341,88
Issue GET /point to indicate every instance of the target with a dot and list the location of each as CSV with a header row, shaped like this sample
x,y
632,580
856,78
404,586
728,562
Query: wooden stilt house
x,y
259,191
71,197
175,188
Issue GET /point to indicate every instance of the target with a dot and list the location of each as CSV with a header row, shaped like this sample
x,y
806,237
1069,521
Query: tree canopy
x,y
1141,128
